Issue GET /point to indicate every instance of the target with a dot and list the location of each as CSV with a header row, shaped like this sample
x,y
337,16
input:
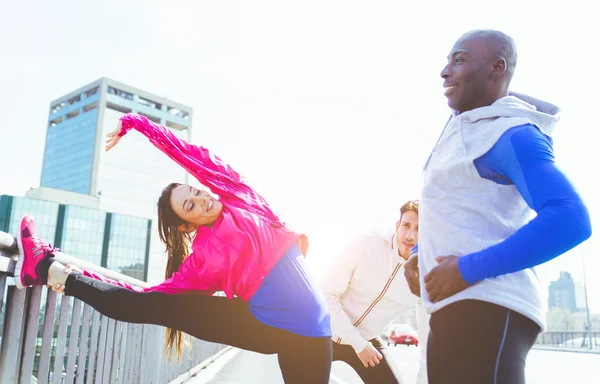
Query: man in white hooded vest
x,y
493,206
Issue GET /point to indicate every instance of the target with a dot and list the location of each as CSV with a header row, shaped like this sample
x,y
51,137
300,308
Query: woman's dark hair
x,y
178,245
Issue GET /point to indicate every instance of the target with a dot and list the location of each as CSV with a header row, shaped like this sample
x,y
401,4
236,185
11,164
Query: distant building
x,y
115,241
130,178
561,293
579,296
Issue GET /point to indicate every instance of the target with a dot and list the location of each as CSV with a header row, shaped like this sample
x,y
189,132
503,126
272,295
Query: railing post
x,y
33,315
12,337
94,342
83,344
152,351
148,360
61,340
73,341
108,351
138,357
101,348
7,262
47,335
2,287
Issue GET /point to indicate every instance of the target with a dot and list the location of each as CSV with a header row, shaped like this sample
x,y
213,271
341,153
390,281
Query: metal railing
x,y
569,339
50,338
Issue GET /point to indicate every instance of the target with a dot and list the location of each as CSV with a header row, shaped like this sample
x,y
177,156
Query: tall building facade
x,y
561,293
128,179
115,241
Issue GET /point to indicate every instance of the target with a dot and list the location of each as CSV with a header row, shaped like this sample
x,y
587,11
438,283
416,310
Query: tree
x,y
557,319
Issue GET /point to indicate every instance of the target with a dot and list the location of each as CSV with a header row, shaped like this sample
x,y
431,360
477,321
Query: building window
x,y
57,107
44,212
178,113
151,118
127,245
118,108
176,126
89,107
71,115
118,92
84,233
91,92
74,99
149,103
55,122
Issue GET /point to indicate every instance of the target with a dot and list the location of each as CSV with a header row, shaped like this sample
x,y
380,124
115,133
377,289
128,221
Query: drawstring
x,y
462,136
392,256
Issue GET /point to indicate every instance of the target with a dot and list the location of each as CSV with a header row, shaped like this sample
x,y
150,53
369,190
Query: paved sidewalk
x,y
543,367
236,366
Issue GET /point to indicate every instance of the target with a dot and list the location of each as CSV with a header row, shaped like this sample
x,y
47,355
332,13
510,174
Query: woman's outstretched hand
x,y
113,138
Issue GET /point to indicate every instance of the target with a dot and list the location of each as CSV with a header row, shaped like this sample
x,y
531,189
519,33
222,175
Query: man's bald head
x,y
480,67
500,44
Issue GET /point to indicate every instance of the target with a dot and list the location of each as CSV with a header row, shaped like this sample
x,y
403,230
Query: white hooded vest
x,y
461,212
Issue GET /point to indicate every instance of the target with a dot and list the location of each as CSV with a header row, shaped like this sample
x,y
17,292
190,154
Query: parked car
x,y
402,334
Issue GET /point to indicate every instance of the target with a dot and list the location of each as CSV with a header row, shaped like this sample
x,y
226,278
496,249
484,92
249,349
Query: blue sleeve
x,y
524,156
415,249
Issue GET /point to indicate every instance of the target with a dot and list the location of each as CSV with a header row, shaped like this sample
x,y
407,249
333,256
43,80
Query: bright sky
x,y
328,107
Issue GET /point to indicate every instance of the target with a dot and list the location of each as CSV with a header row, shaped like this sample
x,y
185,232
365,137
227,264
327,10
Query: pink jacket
x,y
245,242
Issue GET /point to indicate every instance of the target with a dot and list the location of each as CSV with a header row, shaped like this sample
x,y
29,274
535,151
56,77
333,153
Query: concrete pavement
x,y
543,367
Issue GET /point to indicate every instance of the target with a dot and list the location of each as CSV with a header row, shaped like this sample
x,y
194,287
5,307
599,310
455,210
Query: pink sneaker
x,y
32,252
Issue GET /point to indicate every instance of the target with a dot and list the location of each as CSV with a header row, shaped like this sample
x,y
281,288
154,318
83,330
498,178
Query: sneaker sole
x,y
19,265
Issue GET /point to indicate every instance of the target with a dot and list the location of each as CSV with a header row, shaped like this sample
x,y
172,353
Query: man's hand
x,y
445,279
369,356
411,274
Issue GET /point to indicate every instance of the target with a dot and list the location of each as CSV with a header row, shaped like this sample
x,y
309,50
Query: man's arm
x,y
524,157
411,272
335,283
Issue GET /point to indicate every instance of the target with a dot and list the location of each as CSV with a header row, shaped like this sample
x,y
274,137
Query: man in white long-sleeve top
x,y
365,290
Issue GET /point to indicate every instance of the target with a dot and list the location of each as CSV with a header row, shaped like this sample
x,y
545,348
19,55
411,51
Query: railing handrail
x,y
9,244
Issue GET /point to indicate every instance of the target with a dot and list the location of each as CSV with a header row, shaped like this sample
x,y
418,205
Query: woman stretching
x,y
235,244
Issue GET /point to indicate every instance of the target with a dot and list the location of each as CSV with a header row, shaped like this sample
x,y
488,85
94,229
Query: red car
x,y
403,334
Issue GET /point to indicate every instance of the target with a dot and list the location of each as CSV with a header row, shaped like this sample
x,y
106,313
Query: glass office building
x,y
561,293
70,142
115,241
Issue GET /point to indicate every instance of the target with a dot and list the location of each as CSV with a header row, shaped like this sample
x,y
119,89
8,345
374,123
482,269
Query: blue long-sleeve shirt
x,y
524,156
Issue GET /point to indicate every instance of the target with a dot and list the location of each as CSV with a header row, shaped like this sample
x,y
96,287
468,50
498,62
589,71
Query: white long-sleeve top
x,y
365,290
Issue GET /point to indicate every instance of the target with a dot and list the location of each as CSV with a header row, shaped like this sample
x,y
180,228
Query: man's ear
x,y
499,68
